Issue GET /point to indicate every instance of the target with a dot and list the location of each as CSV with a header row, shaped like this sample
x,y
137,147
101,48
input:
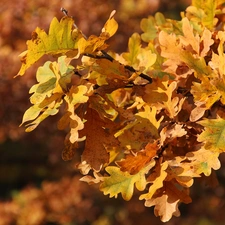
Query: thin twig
x,y
105,55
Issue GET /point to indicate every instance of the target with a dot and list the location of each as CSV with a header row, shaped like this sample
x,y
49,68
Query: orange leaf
x,y
134,163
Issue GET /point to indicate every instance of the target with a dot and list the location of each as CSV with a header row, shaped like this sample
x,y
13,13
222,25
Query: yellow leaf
x,y
149,27
91,45
76,124
147,59
123,182
161,93
94,43
110,26
157,182
189,38
51,110
177,53
141,59
58,41
112,70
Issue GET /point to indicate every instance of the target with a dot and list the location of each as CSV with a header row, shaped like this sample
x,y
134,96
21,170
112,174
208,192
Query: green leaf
x,y
160,19
50,111
123,182
134,45
53,77
141,59
149,29
209,8
214,134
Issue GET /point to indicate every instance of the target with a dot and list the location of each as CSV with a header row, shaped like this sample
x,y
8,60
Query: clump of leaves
x,y
151,118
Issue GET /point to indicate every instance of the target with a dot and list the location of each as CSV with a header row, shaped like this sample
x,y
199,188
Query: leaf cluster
x,y
151,118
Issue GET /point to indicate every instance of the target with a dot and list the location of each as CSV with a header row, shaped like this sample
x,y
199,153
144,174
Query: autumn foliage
x,y
150,119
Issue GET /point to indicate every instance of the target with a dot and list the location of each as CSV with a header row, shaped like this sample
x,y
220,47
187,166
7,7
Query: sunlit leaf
x,y
206,11
203,161
122,182
133,163
156,179
59,40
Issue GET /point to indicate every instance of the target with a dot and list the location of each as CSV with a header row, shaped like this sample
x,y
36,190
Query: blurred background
x,y
36,186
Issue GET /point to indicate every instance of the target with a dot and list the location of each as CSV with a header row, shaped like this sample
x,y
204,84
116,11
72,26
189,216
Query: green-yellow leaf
x,y
31,113
123,182
50,111
133,48
214,134
209,9
58,41
149,29
53,77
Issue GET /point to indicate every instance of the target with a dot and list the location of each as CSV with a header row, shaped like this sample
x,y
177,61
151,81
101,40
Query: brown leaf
x,y
98,138
69,150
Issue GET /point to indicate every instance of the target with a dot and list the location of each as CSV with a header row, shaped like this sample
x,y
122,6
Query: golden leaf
x,y
58,41
123,182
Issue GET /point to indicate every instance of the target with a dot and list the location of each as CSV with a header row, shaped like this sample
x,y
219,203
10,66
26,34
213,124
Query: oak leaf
x,y
141,59
98,139
161,94
69,149
204,12
142,130
123,182
180,171
213,135
97,43
58,41
97,178
134,45
52,77
148,26
156,179
203,161
178,52
40,114
166,201
171,132
133,163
